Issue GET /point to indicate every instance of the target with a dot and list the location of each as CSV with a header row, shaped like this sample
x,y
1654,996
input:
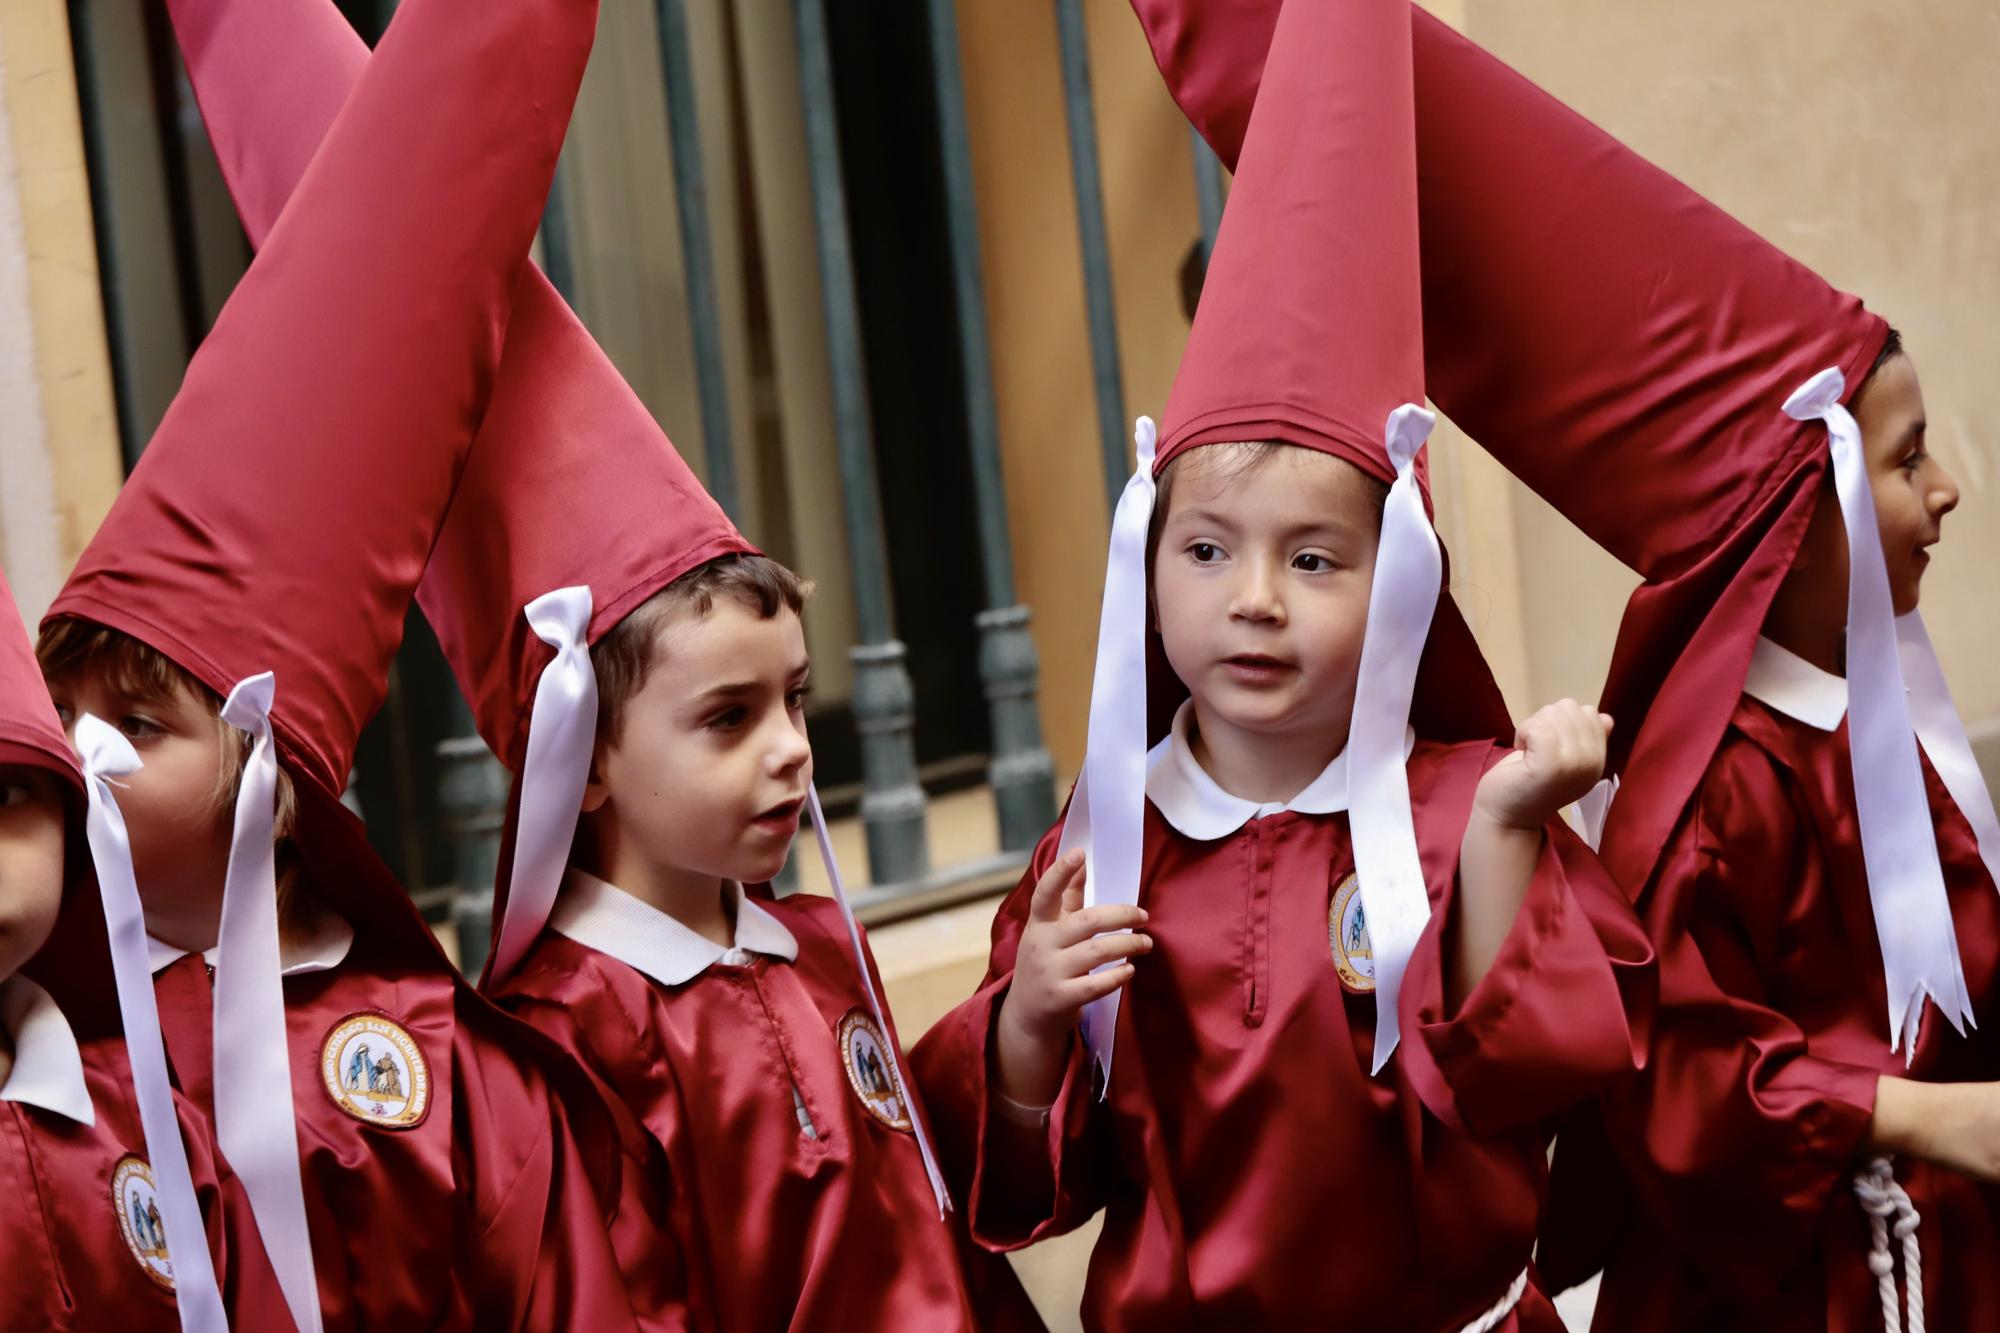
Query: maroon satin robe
x,y
1735,1210
1252,1172
68,1266
491,1211
839,1230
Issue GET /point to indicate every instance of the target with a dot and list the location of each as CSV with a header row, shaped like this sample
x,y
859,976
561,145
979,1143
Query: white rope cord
x,y
1501,1308
1882,1198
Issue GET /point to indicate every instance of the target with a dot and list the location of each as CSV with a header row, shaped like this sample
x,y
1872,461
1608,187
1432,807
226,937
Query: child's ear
x,y
596,791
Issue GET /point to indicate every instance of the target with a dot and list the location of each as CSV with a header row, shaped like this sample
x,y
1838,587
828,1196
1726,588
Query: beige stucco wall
x,y
59,461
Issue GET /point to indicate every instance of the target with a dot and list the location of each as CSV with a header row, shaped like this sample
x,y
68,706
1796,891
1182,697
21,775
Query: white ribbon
x,y
108,756
562,734
1898,839
1107,811
923,1136
1408,573
1944,739
254,1122
1593,808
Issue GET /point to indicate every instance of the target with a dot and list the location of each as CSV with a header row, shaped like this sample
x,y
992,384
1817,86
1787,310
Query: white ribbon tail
x,y
1593,808
1409,571
1906,889
1942,734
562,734
923,1134
254,1122
1111,791
107,755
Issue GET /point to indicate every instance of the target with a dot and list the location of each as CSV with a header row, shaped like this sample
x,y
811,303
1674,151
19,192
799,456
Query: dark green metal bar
x,y
1208,192
698,255
892,801
558,253
1091,232
1021,774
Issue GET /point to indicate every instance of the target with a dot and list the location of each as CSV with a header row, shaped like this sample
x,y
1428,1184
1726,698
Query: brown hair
x,y
624,657
1241,457
69,649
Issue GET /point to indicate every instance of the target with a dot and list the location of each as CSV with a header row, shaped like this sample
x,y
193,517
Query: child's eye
x,y
15,793
729,719
1205,553
65,715
138,727
1311,562
1916,459
796,700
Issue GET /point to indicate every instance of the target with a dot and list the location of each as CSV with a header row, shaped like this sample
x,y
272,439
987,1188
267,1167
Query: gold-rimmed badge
x,y
375,1072
864,1050
1347,931
137,1204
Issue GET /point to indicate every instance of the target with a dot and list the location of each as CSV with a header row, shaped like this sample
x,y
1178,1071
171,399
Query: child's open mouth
x,y
781,819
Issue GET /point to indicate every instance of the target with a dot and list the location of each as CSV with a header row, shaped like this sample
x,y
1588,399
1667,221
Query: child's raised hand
x,y
1053,977
1558,756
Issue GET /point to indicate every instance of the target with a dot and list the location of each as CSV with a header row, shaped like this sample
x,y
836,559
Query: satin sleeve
x,y
1737,1133
1564,1009
1019,1185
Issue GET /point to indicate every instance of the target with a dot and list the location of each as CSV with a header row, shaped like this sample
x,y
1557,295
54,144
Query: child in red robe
x,y
412,1155
1809,1146
1368,961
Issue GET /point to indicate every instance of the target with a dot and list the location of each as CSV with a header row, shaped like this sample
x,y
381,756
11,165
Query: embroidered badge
x,y
865,1052
373,1071
137,1204
1347,931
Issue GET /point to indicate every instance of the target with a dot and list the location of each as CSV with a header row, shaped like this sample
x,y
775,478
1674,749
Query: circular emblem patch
x,y
865,1052
373,1071
137,1204
1347,930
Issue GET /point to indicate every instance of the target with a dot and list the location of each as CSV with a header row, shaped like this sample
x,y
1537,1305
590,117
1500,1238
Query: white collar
x,y
48,1067
604,917
323,948
1795,687
1192,801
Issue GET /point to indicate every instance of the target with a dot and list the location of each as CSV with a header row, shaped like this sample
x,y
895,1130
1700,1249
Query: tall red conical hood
x,y
30,733
1671,383
1310,327
283,512
570,483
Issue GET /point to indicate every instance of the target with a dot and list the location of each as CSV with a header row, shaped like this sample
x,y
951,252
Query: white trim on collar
x,y
48,1067
604,917
1781,679
1197,806
323,949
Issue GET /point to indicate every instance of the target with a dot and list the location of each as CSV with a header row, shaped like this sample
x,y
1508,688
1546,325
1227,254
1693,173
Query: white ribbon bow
x,y
923,1136
1401,601
106,757
562,734
1107,811
1913,920
254,1122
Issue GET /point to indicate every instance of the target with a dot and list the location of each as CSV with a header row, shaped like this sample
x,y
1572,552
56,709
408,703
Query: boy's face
x,y
708,774
1912,490
1260,586
180,836
31,862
